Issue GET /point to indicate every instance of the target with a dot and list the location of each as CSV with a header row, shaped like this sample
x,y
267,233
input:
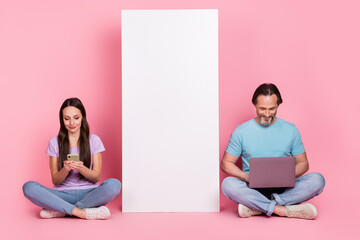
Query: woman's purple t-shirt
x,y
73,181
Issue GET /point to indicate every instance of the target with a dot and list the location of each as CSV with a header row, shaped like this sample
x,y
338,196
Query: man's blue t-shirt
x,y
251,140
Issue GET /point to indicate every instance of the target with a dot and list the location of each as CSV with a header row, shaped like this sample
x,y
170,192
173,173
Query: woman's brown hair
x,y
63,138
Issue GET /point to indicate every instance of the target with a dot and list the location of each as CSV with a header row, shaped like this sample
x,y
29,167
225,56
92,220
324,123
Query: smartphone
x,y
73,157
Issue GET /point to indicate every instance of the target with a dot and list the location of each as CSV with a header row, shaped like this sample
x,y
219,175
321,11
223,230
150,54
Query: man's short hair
x,y
267,89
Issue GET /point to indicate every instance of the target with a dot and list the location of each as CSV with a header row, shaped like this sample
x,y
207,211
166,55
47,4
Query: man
x,y
268,136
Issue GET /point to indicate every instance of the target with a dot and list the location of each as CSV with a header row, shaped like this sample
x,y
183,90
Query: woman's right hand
x,y
67,165
58,176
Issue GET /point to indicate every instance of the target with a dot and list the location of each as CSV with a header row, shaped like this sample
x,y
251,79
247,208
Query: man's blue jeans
x,y
65,201
306,187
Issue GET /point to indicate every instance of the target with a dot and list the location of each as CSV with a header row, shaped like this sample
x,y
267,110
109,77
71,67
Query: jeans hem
x,y
271,208
277,199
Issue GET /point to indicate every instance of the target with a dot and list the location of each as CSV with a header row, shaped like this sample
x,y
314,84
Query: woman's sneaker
x,y
46,213
97,213
244,211
304,211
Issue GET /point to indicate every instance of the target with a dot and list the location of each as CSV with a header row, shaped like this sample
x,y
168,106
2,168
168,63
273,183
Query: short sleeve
x,y
96,144
234,146
53,148
297,146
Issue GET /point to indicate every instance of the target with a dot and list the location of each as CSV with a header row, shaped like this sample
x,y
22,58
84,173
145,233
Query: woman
x,y
76,191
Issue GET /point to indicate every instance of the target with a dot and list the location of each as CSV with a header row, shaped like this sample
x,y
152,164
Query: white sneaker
x,y
46,213
244,211
304,211
97,213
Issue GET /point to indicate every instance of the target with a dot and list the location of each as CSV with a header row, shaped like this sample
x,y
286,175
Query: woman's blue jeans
x,y
65,201
306,187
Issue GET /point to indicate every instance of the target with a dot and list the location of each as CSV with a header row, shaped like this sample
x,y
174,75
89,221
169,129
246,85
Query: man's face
x,y
266,109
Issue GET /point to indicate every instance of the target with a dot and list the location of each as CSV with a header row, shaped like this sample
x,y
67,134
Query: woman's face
x,y
72,118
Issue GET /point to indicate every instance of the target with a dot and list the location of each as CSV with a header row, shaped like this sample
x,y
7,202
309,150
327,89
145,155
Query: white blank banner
x,y
170,111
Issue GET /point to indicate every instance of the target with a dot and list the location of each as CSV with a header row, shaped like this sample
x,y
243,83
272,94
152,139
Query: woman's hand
x,y
93,174
77,165
67,165
58,176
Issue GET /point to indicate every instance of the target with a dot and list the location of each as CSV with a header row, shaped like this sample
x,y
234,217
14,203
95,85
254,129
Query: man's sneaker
x,y
244,211
97,213
305,211
46,213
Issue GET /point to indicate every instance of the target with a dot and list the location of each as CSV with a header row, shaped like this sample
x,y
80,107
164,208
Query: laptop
x,y
272,172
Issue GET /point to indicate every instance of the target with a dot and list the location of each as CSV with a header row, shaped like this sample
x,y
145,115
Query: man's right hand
x,y
228,166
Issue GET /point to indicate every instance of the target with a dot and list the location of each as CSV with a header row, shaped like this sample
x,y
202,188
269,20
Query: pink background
x,y
52,50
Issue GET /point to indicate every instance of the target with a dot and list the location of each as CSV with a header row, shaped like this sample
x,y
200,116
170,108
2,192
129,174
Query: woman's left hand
x,y
77,165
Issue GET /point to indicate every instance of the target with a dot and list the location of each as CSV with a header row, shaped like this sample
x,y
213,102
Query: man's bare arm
x,y
228,166
302,164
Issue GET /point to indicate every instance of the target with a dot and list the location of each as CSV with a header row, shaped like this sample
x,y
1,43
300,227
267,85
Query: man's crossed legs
x,y
253,202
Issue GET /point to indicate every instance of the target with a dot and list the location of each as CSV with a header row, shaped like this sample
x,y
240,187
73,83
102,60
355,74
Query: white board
x,y
170,126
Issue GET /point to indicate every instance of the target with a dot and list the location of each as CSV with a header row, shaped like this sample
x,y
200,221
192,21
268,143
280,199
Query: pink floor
x,y
333,222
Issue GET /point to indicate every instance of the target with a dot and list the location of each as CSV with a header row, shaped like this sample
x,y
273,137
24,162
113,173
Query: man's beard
x,y
266,123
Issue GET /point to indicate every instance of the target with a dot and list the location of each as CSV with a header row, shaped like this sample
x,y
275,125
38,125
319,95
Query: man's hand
x,y
228,166
246,177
